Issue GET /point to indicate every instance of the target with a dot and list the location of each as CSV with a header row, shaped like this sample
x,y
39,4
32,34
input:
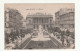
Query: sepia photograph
x,y
39,26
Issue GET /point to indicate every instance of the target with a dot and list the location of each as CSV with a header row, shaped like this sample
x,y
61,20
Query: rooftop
x,y
39,15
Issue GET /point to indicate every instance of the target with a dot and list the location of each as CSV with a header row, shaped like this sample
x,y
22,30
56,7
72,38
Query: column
x,y
42,20
37,20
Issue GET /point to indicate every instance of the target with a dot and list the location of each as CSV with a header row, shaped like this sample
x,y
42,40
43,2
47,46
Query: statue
x,y
41,36
40,33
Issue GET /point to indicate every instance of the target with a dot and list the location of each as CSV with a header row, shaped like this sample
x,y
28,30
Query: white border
x,y
39,1
77,21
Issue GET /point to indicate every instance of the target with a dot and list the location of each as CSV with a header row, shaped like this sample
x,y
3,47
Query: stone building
x,y
36,19
64,18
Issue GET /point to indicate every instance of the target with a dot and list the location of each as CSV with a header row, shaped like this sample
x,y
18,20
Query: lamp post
x,y
21,37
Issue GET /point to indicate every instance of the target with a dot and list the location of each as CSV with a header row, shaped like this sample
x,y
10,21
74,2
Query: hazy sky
x,y
24,9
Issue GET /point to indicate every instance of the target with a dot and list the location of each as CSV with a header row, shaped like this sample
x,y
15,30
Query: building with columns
x,y
64,18
36,19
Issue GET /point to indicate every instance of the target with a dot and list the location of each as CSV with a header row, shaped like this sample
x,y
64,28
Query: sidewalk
x,y
56,38
23,39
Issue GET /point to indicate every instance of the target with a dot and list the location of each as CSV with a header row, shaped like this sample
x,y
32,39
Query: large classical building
x,y
36,19
64,18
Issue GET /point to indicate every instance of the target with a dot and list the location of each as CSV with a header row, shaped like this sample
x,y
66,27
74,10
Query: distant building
x,y
12,20
34,20
24,23
64,18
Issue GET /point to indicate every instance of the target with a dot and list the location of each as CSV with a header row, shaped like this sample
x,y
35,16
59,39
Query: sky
x,y
31,8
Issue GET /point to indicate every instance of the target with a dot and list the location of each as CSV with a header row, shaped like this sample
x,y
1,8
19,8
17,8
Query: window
x,y
50,21
6,25
29,21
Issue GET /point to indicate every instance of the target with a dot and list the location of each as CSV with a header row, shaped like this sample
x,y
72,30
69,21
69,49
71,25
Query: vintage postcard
x,y
39,26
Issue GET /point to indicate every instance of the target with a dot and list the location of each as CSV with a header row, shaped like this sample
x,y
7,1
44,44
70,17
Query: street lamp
x,y
21,37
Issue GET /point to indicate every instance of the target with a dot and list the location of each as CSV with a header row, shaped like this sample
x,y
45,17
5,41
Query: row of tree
x,y
16,34
13,19
62,33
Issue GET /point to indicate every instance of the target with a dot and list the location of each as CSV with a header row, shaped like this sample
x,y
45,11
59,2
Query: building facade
x,y
64,18
43,19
